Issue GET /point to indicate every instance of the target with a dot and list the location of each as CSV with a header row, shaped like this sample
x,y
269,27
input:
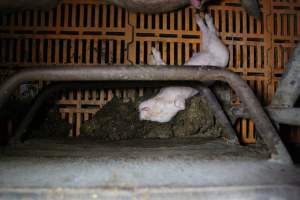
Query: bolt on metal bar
x,y
121,73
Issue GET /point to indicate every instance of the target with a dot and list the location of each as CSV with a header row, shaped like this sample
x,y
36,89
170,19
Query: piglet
x,y
213,51
170,100
165,105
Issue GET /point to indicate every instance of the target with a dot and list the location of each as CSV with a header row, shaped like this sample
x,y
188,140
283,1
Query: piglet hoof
x,y
208,18
153,49
156,54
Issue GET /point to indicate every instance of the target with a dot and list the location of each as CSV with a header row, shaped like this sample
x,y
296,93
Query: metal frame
x,y
120,73
55,88
289,116
282,110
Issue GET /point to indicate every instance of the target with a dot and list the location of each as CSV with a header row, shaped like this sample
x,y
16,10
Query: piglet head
x,y
159,110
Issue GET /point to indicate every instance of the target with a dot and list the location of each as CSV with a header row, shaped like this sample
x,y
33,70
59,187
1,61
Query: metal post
x,y
288,90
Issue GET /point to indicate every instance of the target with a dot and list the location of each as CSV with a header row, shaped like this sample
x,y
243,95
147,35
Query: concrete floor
x,y
143,169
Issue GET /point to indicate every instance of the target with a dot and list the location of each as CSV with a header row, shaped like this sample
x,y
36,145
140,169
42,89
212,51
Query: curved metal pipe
x,y
219,114
54,88
289,116
38,101
156,73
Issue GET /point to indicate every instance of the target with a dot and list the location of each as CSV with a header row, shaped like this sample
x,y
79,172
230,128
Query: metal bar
x,y
219,114
289,116
289,87
38,102
53,89
156,73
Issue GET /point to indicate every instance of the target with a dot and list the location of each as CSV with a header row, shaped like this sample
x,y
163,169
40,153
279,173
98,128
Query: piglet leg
x,y
210,23
201,24
205,32
157,57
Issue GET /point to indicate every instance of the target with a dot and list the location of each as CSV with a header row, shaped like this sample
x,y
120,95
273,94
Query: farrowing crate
x,y
90,31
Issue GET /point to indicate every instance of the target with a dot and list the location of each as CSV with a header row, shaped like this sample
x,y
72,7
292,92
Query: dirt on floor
x,y
51,127
119,120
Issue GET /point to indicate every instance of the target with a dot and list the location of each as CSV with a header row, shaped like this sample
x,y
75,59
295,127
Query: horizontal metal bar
x,y
155,73
289,116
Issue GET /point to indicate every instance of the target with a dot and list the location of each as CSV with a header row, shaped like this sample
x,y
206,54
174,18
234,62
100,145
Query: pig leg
x,y
201,24
205,32
157,57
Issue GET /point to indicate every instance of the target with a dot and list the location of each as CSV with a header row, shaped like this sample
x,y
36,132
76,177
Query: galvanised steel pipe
x,y
289,116
156,73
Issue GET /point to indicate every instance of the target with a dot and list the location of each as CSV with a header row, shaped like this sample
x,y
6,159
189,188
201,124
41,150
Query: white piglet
x,y
165,105
213,51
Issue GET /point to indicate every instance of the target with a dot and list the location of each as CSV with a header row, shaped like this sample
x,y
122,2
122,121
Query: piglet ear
x,y
180,103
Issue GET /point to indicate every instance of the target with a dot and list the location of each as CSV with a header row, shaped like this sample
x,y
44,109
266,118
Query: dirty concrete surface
x,y
159,164
165,164
51,127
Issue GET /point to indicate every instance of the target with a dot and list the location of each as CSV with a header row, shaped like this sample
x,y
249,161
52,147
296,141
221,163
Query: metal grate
x,y
89,31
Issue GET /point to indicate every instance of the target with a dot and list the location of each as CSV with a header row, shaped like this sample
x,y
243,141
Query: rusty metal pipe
x,y
156,73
